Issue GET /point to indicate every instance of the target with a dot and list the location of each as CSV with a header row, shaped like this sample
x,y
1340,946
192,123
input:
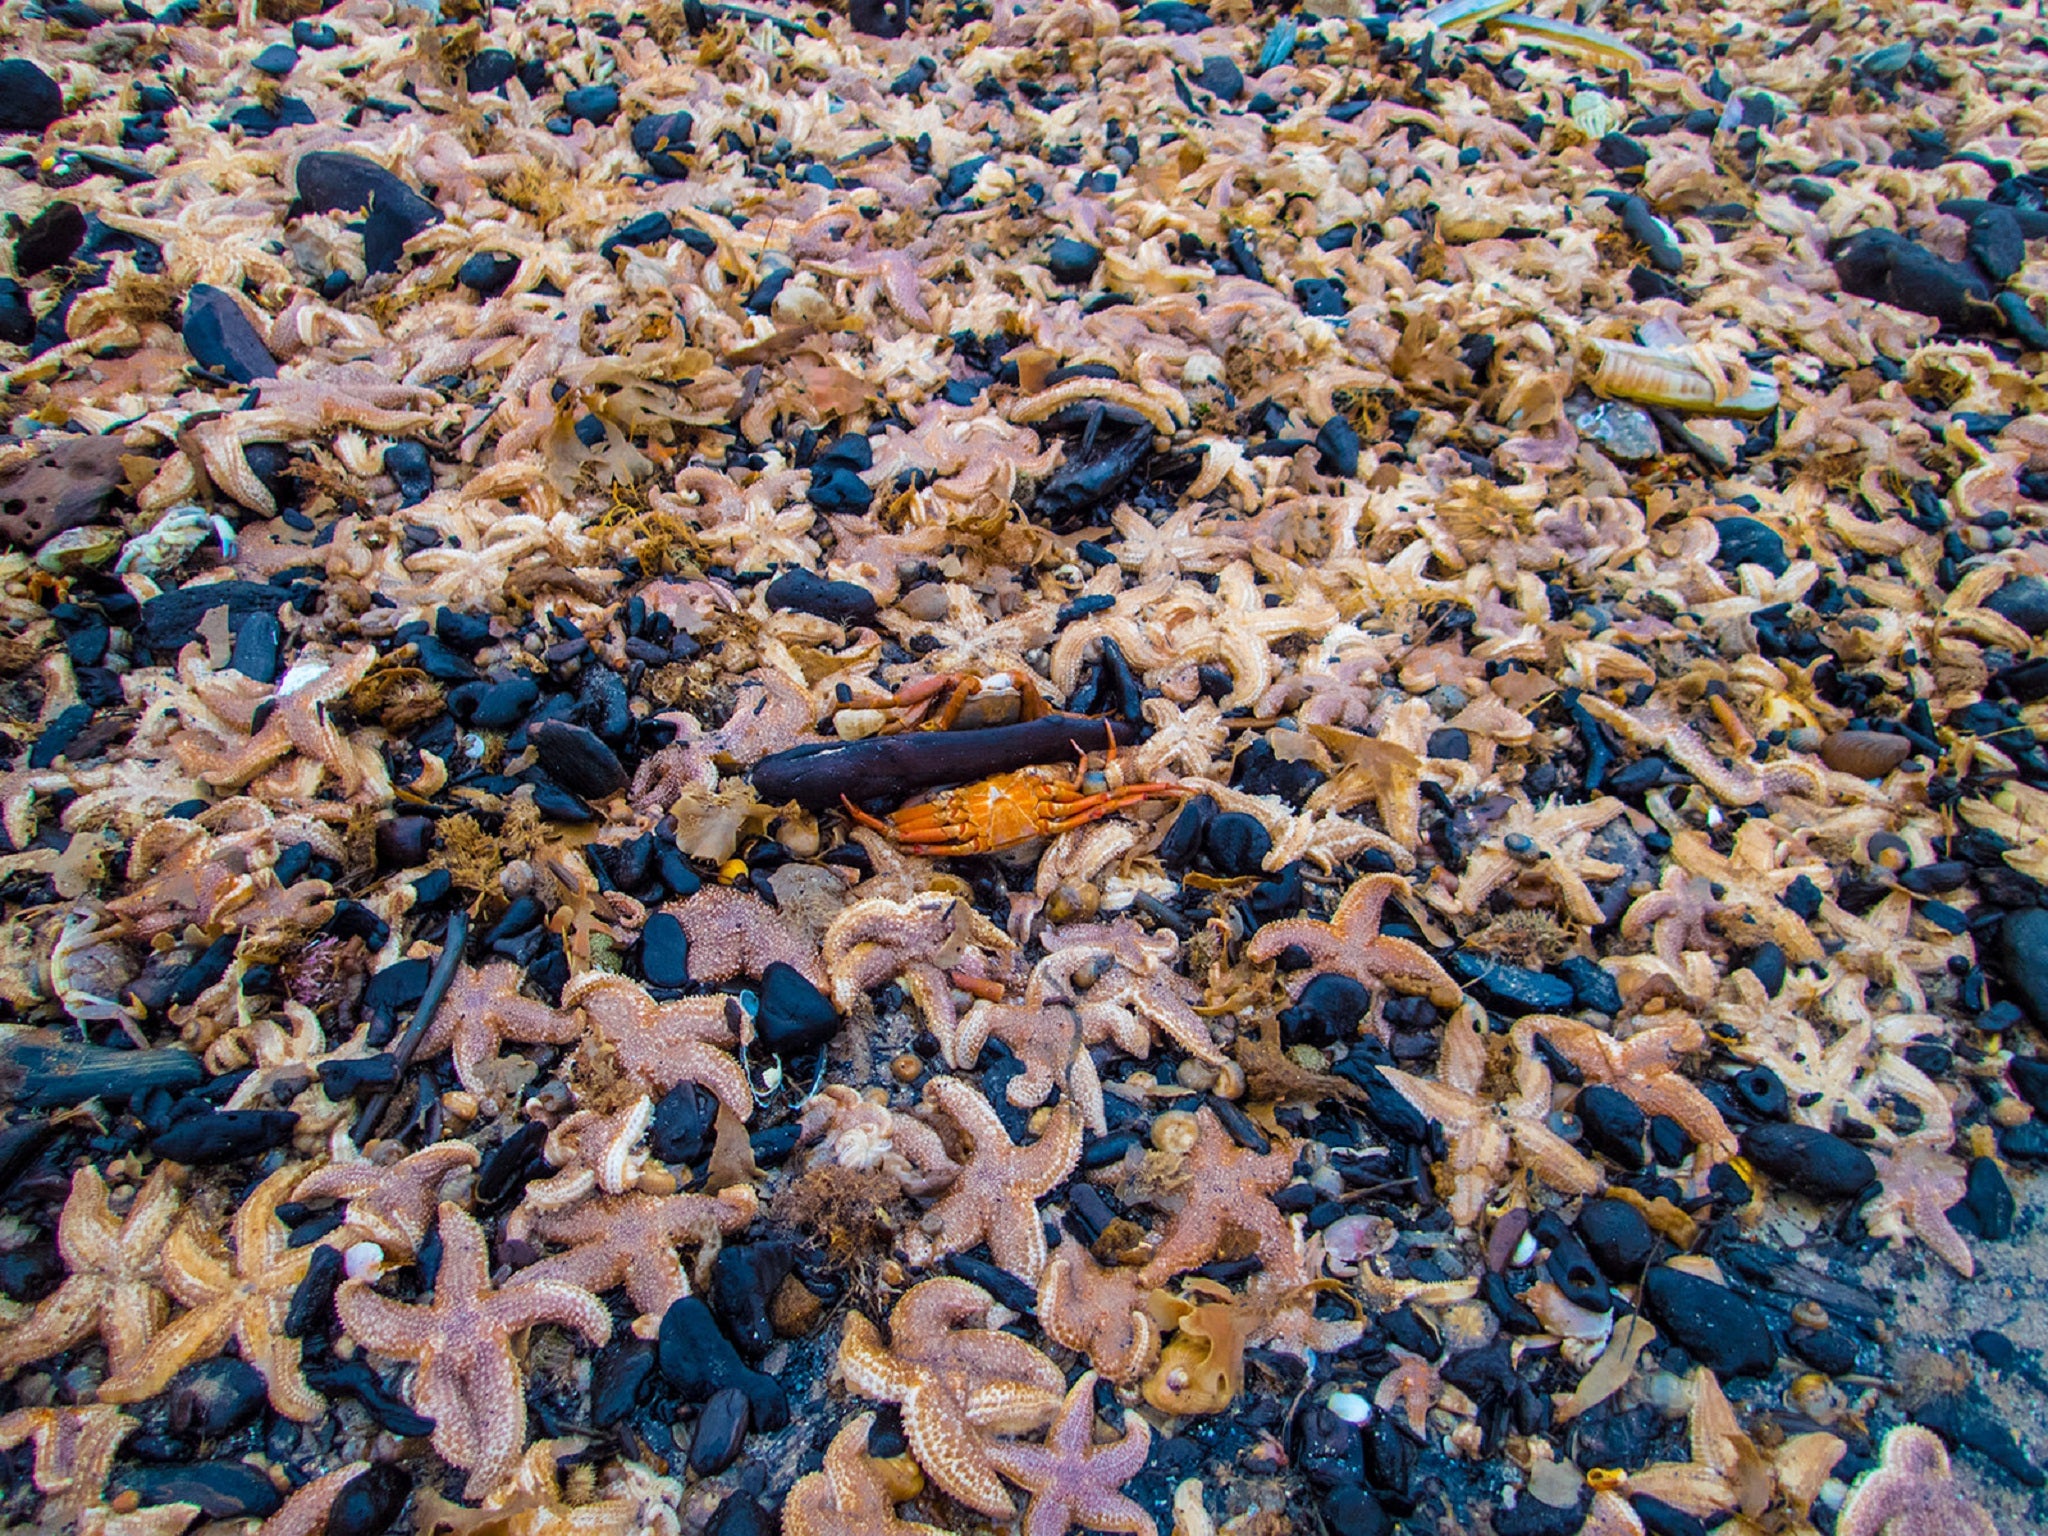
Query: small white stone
x,y
1349,1407
362,1261
1525,1252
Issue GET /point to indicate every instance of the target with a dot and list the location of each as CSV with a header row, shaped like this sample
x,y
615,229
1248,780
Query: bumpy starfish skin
x,y
854,1131
298,723
1911,1493
632,1240
246,1300
914,942
114,1287
664,1044
305,1512
995,1199
847,1497
1072,1480
1921,1183
484,1009
74,1453
1644,1067
393,1205
954,1384
1350,944
1098,1312
1228,1186
591,1151
468,1381
735,933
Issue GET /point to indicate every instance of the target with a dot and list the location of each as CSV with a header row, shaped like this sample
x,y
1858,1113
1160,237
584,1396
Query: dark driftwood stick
x,y
815,776
437,988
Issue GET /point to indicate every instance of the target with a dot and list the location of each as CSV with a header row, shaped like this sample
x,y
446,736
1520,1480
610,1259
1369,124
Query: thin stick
x,y
423,1016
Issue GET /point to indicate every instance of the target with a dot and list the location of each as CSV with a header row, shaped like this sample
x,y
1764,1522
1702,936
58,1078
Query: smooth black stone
x,y
557,804
1532,1517
647,229
49,240
1072,261
1997,242
172,619
621,1380
1767,964
277,61
488,272
664,951
1994,1349
697,1359
1658,240
843,602
411,470
1711,1323
1390,1463
1327,1012
685,1122
2024,601
1832,1350
17,317
223,1490
225,1136
1091,475
1592,987
1384,1105
1616,1235
1221,77
215,1397
657,138
2030,1081
1258,771
850,451
795,1016
837,489
2022,951
312,1304
1351,1511
1237,844
1177,16
1661,1519
1614,1126
1745,541
1322,297
1970,1423
494,706
1989,1200
1510,989
1812,1161
577,759
464,632
333,181
1881,265
354,1378
721,1431
1330,1453
61,1075
349,1077
257,649
591,103
1337,447
1762,1093
30,101
744,1278
741,1514
488,69
55,739
370,1502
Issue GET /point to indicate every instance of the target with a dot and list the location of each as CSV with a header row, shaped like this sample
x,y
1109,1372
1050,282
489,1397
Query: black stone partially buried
x,y
1715,1326
219,336
331,181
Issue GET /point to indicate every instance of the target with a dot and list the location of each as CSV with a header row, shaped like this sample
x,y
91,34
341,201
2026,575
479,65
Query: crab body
x,y
1009,809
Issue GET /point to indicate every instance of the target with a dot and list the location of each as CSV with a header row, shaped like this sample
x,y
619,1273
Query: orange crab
x,y
1010,808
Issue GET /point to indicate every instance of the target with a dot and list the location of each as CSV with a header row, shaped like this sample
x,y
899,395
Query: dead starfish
x,y
664,1044
531,1502
305,1512
854,1131
394,1204
245,1300
849,1497
1920,1184
732,932
74,1457
482,1011
1644,1067
1675,916
468,1380
1911,1492
633,1240
995,1199
114,1282
1749,881
1052,1041
1098,1312
914,942
1072,1480
1547,846
1227,1188
592,1151
1351,944
1119,965
954,1384
298,722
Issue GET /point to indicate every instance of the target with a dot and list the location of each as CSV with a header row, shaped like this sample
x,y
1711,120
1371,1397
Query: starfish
x,y
849,1496
530,1502
996,1197
915,942
954,1384
468,1381
1226,1188
1351,944
114,1282
664,1044
482,1011
1098,1312
1370,769
1119,965
74,1457
1920,1184
853,1131
246,1300
1750,881
1730,1474
1644,1067
1072,1480
391,1204
298,722
1547,846
305,1512
732,932
632,1240
1486,1134
592,1151
1052,1041
1911,1492
1675,917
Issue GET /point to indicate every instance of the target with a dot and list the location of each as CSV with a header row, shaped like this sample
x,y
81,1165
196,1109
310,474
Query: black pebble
x,y
697,1359
2030,1081
257,648
488,68
741,1514
657,138
223,1490
215,1397
17,319
2024,601
1592,986
838,489
1510,989
1328,1011
1613,1124
1617,1237
1767,964
1762,1093
1710,1322
1351,1511
843,602
333,181
1220,76
744,1279
225,1136
721,1431
219,336
494,706
577,759
1072,261
49,240
407,464
1997,242
1337,447
1812,1161
277,61
369,1503
1825,1349
1745,541
488,272
29,99
795,1016
1322,297
621,1379
1878,264
1988,1199
1237,844
1183,839
1330,1453
591,103
664,952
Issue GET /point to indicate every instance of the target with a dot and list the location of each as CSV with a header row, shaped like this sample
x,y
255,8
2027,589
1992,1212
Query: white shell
x,y
362,1261
1349,1407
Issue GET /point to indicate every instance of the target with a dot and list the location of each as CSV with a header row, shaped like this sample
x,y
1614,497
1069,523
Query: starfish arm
x,y
1556,1161
952,1455
377,1322
1101,1510
707,1065
260,1333
88,1232
62,1319
1044,1165
1160,1008
525,1304
191,1273
195,1335
1407,966
476,1396
868,1366
1313,938
305,1512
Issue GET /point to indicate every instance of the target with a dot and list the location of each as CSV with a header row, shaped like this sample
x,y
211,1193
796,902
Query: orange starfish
x,y
664,1044
483,1010
996,1197
393,1205
1644,1067
915,942
1226,1188
1911,1493
732,932
468,1381
115,1279
74,1457
1072,1480
298,722
1920,1184
849,1496
632,1240
1098,1312
1351,944
305,1512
